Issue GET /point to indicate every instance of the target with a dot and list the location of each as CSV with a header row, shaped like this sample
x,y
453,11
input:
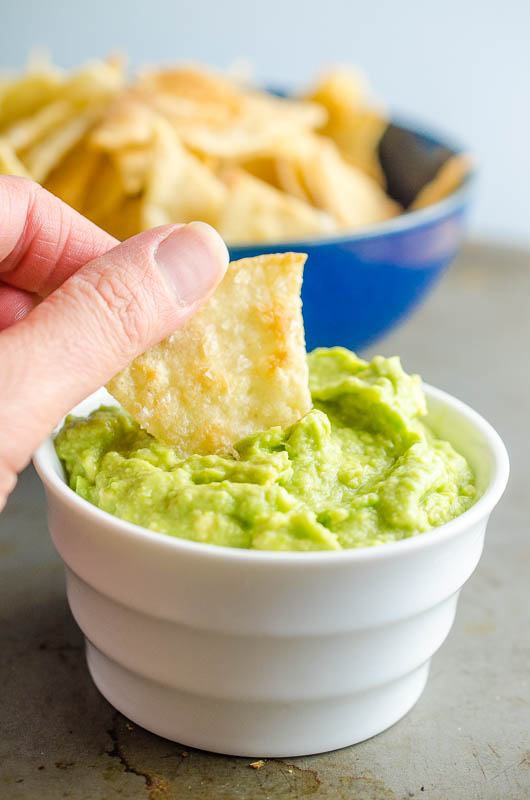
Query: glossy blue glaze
x,y
358,286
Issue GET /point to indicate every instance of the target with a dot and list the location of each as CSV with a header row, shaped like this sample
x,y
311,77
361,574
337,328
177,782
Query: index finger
x,y
42,240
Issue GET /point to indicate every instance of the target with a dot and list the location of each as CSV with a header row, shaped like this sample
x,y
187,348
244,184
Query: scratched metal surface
x,y
467,738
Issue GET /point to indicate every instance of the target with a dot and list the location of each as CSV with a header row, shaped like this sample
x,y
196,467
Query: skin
x,y
76,306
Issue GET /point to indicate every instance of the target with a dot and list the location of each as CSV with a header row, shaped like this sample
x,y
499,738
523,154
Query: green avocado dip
x,y
359,469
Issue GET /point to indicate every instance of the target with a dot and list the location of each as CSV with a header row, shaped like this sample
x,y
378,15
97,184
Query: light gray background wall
x,y
461,65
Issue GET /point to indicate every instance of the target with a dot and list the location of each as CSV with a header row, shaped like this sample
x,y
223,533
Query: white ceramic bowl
x,y
258,653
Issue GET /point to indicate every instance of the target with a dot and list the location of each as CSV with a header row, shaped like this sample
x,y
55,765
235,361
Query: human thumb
x,y
94,324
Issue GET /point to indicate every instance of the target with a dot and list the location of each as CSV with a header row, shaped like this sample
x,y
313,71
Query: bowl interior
x,y
410,158
465,431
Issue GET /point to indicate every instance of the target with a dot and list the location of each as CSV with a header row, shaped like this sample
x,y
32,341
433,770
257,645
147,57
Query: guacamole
x,y
359,469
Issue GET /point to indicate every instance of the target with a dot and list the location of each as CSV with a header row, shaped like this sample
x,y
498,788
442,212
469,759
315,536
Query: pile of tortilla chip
x,y
186,143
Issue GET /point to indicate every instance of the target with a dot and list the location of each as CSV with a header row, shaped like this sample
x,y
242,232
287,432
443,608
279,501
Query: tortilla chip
x,y
216,116
74,177
278,170
236,367
127,123
21,97
44,156
27,131
285,116
448,178
266,120
44,84
262,167
105,192
354,123
125,219
256,212
290,179
133,165
353,198
183,111
194,83
179,188
94,83
10,164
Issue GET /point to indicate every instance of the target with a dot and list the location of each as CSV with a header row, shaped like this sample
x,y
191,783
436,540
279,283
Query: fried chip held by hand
x,y
236,367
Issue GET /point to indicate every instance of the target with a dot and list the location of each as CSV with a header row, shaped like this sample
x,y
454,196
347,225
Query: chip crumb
x,y
184,754
257,764
129,726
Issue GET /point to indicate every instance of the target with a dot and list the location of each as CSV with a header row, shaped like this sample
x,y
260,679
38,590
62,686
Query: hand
x,y
76,307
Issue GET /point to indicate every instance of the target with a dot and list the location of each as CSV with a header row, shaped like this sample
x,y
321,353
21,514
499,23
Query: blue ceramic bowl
x,y
357,286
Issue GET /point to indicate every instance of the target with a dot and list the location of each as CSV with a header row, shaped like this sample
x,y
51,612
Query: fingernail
x,y
193,259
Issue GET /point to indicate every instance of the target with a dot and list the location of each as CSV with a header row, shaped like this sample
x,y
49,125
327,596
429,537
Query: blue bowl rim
x,y
406,221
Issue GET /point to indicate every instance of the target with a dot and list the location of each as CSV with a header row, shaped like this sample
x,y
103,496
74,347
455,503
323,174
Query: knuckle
x,y
123,307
